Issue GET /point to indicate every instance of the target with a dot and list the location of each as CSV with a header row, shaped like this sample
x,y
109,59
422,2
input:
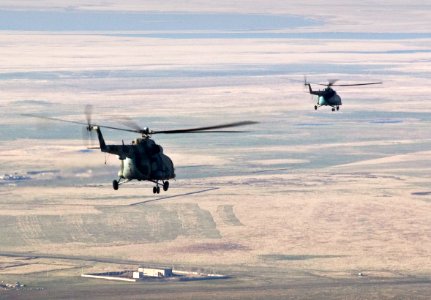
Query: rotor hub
x,y
146,132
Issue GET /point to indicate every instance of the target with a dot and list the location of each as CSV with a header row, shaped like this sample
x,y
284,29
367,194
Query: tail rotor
x,y
87,132
306,83
307,88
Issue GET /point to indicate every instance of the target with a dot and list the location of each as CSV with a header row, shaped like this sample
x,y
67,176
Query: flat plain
x,y
297,206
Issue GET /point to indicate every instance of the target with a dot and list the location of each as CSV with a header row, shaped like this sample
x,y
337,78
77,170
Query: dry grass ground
x,y
294,208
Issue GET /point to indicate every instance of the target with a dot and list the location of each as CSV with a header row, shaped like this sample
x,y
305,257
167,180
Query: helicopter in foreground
x,y
143,160
328,96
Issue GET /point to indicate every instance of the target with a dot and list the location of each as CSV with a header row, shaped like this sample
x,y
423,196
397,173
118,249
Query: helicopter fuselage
x,y
142,160
141,165
327,97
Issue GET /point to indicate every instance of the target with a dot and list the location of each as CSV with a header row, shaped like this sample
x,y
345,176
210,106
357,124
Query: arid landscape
x,y
306,204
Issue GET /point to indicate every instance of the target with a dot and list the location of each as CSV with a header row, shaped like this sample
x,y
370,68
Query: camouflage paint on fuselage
x,y
142,160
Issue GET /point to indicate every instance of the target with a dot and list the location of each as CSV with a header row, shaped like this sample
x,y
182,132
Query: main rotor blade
x,y
209,131
79,123
353,84
53,119
356,84
146,131
202,129
331,82
128,122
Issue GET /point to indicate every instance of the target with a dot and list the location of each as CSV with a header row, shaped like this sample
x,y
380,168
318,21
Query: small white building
x,y
152,272
137,275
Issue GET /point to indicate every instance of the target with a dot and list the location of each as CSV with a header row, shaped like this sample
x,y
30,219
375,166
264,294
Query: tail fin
x,y
102,143
306,83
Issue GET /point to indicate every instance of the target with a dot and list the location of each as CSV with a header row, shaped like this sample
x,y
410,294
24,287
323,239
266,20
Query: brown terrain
x,y
306,204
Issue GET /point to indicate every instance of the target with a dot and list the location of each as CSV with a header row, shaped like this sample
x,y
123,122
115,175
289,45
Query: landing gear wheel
x,y
333,109
338,108
158,190
154,189
315,107
165,185
115,184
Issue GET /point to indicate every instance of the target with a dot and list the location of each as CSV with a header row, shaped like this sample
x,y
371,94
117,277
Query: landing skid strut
x,y
116,183
156,189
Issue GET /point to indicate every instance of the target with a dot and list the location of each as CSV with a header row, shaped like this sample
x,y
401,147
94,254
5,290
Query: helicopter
x,y
328,96
143,159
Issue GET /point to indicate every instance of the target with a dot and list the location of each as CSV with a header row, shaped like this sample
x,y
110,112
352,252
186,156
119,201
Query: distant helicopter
x,y
143,159
328,96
